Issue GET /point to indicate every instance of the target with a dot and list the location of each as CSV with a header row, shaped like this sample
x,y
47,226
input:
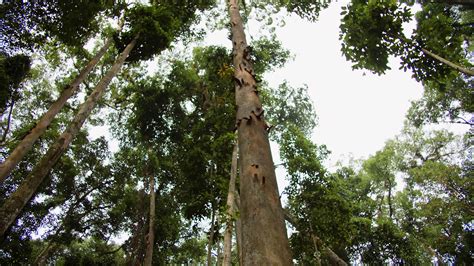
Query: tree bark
x,y
264,238
333,257
27,142
211,238
230,210
15,203
151,224
459,68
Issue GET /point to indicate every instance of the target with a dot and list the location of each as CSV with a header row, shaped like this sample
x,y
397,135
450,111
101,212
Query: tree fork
x,y
13,206
264,238
27,142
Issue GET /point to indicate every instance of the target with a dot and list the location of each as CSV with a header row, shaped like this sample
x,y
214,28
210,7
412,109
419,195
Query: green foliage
x,y
268,54
91,252
436,32
451,102
302,158
192,250
156,26
12,72
306,9
371,31
290,107
363,214
72,22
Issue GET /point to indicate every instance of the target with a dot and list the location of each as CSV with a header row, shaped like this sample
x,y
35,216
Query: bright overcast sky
x,y
358,111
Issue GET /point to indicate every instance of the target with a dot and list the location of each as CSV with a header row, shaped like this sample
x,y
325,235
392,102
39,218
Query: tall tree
x,y
264,238
150,239
27,143
154,37
231,210
13,206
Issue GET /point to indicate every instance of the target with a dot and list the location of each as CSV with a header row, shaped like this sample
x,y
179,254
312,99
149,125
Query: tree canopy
x,y
137,163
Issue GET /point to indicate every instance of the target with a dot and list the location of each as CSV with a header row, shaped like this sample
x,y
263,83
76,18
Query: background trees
x,y
158,196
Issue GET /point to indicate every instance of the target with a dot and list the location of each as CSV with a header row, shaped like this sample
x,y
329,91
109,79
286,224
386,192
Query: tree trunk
x,y
389,200
230,210
238,228
211,238
15,203
27,142
317,253
219,252
333,257
42,258
459,68
151,224
264,238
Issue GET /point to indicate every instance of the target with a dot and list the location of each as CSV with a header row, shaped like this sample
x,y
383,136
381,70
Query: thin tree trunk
x,y
230,209
219,252
6,129
15,203
333,257
389,200
264,238
317,253
151,224
27,142
42,258
238,228
449,63
211,238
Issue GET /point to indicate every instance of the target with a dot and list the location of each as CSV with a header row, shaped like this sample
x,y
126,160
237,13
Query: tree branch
x,y
459,68
333,257
5,132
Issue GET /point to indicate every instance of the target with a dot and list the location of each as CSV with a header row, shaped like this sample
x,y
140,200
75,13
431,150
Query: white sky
x,y
358,111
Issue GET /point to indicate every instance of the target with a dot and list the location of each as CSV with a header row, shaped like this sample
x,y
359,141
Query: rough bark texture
x,y
449,63
27,142
333,257
230,210
211,238
151,224
15,203
264,238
